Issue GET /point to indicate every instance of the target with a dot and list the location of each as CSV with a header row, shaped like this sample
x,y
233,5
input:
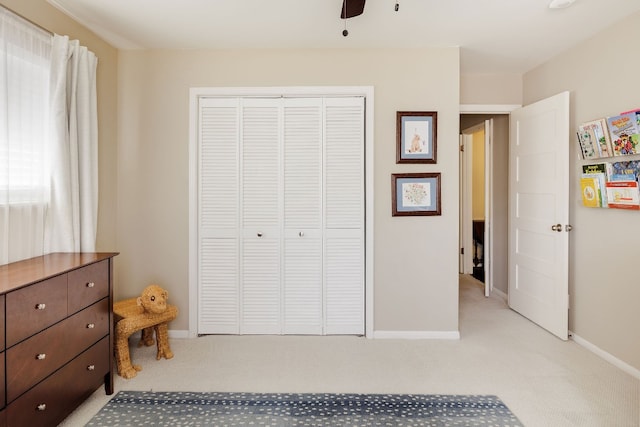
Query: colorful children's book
x,y
588,145
591,194
601,188
595,135
623,195
624,134
605,168
629,171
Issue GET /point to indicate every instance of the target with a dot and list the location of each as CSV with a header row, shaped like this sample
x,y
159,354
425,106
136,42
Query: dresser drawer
x,y
35,307
48,403
35,358
88,326
87,285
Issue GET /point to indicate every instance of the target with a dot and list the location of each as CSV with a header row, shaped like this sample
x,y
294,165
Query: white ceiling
x,y
495,36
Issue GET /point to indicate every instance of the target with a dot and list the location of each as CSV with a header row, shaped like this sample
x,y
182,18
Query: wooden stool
x,y
132,319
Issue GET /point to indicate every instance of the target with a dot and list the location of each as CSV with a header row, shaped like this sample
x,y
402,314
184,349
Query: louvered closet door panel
x,y
261,163
303,285
344,278
261,209
261,285
218,302
218,288
344,216
302,264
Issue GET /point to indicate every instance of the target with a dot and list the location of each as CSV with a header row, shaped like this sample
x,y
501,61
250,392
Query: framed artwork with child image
x,y
416,136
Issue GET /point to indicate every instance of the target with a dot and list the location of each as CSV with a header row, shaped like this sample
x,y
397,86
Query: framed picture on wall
x,y
416,133
415,194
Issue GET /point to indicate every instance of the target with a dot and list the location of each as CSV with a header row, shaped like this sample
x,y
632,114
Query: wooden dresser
x,y
56,335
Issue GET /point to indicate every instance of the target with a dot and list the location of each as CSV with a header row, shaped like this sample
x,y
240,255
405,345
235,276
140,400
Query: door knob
x,y
557,227
568,227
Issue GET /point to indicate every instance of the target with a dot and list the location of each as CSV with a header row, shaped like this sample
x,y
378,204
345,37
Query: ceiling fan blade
x,y
351,8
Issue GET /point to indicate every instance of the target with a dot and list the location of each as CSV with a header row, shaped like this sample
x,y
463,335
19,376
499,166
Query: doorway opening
x,y
484,177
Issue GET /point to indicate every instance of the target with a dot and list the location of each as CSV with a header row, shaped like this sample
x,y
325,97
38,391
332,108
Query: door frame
x,y
485,109
367,92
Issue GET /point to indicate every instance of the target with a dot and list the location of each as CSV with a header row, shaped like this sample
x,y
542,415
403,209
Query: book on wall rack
x,y
624,133
625,171
594,139
591,192
603,168
601,173
623,195
598,182
588,146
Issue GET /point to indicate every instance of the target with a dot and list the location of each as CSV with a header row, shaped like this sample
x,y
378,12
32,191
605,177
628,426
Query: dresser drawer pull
x,y
91,368
41,306
41,356
91,325
41,407
90,285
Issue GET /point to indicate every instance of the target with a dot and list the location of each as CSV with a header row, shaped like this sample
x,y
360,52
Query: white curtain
x,y
24,88
72,215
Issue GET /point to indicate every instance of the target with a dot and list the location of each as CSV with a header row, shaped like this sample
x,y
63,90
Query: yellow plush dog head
x,y
153,299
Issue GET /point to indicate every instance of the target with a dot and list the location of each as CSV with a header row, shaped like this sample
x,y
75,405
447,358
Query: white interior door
x,y
466,232
344,253
302,222
539,213
260,207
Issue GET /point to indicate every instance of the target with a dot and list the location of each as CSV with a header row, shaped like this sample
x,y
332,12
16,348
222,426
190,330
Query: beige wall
x,y
48,17
415,264
491,89
604,285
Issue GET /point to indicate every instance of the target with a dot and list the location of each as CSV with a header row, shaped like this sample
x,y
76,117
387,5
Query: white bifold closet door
x,y
281,216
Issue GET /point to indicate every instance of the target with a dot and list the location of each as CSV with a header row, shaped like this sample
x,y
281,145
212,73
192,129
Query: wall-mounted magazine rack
x,y
613,183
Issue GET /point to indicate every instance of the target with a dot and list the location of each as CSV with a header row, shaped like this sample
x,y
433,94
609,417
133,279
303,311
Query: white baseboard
x,y
417,335
178,333
411,335
500,294
606,356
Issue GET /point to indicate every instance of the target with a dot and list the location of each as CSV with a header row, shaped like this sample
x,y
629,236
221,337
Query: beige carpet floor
x,y
545,382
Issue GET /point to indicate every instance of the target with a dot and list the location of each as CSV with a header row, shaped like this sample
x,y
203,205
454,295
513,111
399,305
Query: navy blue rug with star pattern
x,y
140,408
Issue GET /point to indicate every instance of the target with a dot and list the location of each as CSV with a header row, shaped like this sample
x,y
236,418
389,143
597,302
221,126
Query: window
x,y
48,142
24,103
24,95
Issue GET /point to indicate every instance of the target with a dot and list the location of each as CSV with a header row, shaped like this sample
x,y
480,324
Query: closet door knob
x,y
301,234
41,356
41,407
41,306
91,325
259,234
91,368
90,285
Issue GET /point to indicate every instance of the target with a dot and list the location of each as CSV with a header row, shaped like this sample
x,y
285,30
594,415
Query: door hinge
x,y
462,148
461,251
